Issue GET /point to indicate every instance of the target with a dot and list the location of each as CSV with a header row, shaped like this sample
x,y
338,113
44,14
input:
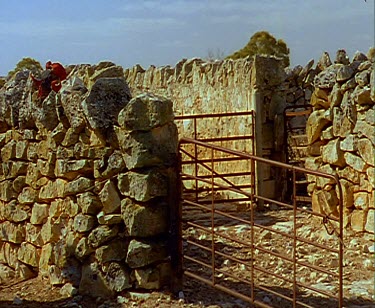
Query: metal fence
x,y
248,253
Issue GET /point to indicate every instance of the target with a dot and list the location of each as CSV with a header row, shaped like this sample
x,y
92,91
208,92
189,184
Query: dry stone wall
x,y
88,183
260,84
341,136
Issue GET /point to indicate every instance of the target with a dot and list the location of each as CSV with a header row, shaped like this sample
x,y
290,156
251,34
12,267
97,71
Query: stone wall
x,y
260,84
341,136
88,183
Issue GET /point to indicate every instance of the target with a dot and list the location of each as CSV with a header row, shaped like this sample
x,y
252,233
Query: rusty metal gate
x,y
256,256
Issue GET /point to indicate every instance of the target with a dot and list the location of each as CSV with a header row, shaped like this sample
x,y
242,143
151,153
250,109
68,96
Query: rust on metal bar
x,y
214,155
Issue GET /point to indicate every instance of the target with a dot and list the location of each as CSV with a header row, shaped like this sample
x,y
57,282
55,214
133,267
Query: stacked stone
x,y
83,199
341,136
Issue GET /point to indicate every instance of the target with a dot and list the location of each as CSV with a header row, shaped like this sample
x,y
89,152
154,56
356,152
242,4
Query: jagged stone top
x,y
91,95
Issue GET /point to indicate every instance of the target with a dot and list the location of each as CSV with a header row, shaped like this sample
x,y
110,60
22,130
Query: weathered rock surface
x,y
143,252
104,102
144,220
348,143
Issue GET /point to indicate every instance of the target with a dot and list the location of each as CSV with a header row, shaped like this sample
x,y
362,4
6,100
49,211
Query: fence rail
x,y
238,262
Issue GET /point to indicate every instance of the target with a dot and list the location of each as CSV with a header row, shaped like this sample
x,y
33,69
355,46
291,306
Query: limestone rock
x,y
19,183
115,165
143,185
337,121
70,169
10,232
347,193
327,78
46,168
363,96
365,65
83,248
7,192
335,97
344,73
15,110
371,175
33,175
55,275
68,290
71,137
102,234
77,186
150,148
70,98
29,254
39,213
24,272
142,220
362,78
323,182
372,86
341,57
111,70
145,112
370,222
370,116
348,85
315,124
350,174
355,162
358,220
89,203
8,254
142,253
13,212
18,168
366,150
365,129
46,113
6,273
327,202
113,251
49,191
84,223
332,153
51,231
349,144
324,61
21,149
93,282
361,200
267,71
118,277
153,277
33,235
111,219
27,196
58,134
8,151
110,198
104,102
69,206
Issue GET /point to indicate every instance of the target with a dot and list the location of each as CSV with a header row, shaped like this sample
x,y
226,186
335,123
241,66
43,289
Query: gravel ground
x,y
358,269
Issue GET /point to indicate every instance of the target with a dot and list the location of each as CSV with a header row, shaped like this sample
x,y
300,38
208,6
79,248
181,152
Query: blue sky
x,y
162,32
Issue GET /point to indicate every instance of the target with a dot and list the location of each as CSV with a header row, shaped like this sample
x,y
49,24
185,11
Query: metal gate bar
x,y
210,230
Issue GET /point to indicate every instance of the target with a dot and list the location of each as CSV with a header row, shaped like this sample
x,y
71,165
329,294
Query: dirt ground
x,y
358,271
